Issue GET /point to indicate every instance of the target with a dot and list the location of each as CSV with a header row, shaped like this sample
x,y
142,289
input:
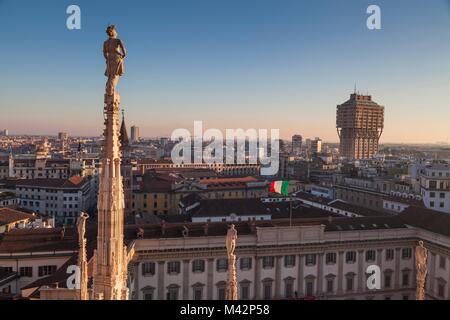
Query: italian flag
x,y
280,187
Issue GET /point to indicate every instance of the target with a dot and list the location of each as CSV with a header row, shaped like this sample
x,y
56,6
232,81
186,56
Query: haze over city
x,y
249,64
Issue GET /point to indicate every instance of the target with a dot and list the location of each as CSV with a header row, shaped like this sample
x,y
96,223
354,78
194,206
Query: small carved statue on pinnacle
x,y
82,256
114,52
231,239
421,270
231,291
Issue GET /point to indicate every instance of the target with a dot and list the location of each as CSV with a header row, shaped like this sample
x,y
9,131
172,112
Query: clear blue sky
x,y
232,63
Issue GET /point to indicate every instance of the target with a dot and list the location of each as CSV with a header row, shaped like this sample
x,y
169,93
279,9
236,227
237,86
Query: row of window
x,y
155,205
442,186
268,262
433,205
441,195
267,287
28,271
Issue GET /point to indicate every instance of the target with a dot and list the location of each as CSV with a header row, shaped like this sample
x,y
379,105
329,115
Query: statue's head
x,y
111,31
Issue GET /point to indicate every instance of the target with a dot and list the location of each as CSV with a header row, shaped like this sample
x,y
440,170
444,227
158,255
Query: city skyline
x,y
287,66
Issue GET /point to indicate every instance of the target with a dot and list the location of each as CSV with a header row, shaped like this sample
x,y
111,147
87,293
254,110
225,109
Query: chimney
x,y
185,232
140,233
205,228
163,227
253,226
63,232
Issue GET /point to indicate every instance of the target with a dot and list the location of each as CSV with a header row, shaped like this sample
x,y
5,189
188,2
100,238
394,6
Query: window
x,y
405,279
349,281
221,291
330,258
172,292
442,262
289,261
387,280
245,291
432,195
370,255
310,288
173,267
148,268
198,265
330,285
442,195
221,265
148,295
268,262
432,204
26,272
405,297
246,263
441,290
46,270
6,269
197,291
6,290
350,257
389,254
289,287
310,260
406,253
267,286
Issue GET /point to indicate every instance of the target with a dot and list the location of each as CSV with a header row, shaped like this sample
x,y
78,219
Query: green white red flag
x,y
280,187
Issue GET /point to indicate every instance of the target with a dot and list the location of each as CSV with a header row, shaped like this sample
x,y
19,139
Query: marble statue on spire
x,y
114,52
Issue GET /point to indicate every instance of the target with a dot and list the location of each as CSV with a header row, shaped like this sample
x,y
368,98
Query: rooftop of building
x,y
430,220
225,207
357,99
229,183
345,206
4,195
39,240
438,166
72,182
9,215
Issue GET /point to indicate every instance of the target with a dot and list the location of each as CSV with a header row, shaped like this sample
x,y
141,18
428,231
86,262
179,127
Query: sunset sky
x,y
232,63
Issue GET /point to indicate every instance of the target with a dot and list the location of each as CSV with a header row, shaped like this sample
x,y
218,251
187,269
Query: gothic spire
x,y
124,141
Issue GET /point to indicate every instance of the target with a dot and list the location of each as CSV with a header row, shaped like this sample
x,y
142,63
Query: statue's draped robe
x,y
114,63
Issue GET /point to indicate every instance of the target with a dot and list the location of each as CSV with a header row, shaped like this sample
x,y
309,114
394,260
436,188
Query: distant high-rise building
x,y
297,144
359,123
316,145
435,186
4,132
134,134
308,143
62,136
